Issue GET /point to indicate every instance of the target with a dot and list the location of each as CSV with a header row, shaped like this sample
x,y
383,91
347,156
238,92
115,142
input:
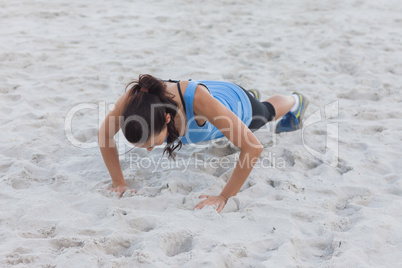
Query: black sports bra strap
x,y
205,87
171,80
179,89
181,95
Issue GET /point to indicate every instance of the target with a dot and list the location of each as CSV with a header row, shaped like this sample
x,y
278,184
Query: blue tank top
x,y
229,94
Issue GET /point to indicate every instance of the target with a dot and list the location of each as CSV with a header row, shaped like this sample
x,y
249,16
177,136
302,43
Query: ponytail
x,y
145,94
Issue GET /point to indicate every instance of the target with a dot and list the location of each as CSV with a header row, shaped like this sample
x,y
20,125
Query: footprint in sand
x,y
395,184
143,224
342,224
320,247
12,98
343,166
176,243
18,258
350,201
67,242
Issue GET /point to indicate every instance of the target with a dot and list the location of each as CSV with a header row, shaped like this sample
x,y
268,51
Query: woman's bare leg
x,y
282,104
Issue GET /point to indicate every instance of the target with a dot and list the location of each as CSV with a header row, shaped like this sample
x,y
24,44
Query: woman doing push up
x,y
154,111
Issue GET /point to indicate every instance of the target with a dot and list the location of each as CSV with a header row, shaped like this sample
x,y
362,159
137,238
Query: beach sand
x,y
63,63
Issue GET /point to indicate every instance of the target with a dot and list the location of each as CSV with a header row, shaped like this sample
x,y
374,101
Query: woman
x,y
154,111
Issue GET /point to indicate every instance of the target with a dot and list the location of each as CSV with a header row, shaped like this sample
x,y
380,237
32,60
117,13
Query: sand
x,y
327,196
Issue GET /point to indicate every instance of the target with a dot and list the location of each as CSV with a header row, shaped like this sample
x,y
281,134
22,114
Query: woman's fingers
x,y
199,205
122,190
220,207
210,201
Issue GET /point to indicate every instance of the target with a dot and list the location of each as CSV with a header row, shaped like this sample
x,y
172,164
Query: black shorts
x,y
263,112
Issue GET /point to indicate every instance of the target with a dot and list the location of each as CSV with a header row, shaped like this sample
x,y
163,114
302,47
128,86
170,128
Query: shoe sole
x,y
305,105
255,92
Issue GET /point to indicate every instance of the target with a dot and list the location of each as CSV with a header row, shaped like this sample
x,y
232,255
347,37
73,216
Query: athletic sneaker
x,y
255,93
293,121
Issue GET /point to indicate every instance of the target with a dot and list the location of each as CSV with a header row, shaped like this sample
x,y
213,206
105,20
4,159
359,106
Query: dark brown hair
x,y
148,97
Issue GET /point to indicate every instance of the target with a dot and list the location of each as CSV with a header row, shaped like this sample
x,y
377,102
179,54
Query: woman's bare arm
x,y
238,133
108,129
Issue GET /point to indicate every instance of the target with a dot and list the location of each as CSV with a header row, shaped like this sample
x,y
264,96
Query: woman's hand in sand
x,y
121,190
212,200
